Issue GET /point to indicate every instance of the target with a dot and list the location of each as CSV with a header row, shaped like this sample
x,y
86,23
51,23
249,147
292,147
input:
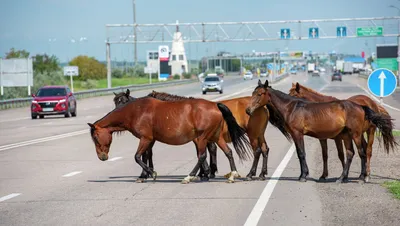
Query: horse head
x,y
296,91
102,139
122,98
260,97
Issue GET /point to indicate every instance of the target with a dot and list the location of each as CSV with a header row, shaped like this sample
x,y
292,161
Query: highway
x,y
50,173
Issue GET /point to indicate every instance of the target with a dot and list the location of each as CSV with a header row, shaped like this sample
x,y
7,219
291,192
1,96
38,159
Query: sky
x,y
48,26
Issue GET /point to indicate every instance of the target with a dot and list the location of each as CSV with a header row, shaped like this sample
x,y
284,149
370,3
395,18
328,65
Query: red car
x,y
53,100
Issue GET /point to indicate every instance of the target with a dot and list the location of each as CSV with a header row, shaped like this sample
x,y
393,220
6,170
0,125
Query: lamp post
x,y
134,31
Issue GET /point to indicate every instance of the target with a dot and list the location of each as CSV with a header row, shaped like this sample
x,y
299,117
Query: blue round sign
x,y
382,82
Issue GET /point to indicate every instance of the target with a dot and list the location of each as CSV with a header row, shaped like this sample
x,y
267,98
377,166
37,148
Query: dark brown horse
x,y
200,121
322,121
300,91
255,127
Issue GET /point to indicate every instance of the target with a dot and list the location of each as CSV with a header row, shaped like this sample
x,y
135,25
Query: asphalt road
x,y
50,174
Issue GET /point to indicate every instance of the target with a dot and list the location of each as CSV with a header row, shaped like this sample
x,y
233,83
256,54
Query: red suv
x,y
53,100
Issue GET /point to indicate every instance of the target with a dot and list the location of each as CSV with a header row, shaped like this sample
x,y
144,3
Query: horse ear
x,y
259,82
297,87
266,84
114,93
91,125
128,92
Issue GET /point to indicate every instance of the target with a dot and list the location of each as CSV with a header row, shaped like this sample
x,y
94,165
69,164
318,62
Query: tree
x,y
17,54
89,68
44,64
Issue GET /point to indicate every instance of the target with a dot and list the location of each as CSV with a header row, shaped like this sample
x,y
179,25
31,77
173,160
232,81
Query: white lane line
x,y
114,159
15,119
376,99
10,196
258,209
25,143
72,174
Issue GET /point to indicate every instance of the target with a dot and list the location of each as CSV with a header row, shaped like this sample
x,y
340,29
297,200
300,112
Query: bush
x,y
176,76
89,84
117,73
187,75
89,68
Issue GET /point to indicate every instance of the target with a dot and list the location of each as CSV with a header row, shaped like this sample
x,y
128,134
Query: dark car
x,y
336,76
53,100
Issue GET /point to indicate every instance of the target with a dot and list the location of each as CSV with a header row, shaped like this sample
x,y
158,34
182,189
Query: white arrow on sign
x,y
285,33
341,31
313,33
382,77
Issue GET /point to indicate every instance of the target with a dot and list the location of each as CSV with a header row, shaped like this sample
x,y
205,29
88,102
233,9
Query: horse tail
x,y
236,133
277,120
383,110
384,124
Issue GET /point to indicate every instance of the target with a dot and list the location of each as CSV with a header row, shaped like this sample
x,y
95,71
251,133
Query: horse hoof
x,y
227,175
248,179
230,181
140,180
302,179
367,178
212,176
262,178
339,181
204,179
154,175
185,182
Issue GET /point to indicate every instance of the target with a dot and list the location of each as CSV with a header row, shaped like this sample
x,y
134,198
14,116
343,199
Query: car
x,y
293,71
336,76
248,75
263,74
212,84
53,100
315,73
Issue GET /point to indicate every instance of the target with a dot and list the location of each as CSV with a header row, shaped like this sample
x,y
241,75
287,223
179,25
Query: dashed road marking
x,y
72,174
10,196
114,159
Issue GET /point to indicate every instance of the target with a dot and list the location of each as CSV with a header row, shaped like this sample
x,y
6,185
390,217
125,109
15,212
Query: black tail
x,y
237,133
277,120
384,124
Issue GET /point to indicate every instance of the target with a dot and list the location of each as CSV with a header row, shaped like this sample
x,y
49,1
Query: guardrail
x,y
282,76
21,102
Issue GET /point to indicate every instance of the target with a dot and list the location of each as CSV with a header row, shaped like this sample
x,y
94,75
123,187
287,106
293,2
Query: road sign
x,y
341,31
148,70
388,63
382,82
285,33
369,31
313,32
71,71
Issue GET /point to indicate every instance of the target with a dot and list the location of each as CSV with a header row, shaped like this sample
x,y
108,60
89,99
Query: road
x,y
51,174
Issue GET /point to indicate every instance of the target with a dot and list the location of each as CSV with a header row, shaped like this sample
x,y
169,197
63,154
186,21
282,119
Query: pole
x,y
1,76
27,77
274,69
108,65
134,30
72,82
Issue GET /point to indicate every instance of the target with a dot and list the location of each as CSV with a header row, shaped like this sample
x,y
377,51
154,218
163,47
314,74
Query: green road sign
x,y
388,63
369,31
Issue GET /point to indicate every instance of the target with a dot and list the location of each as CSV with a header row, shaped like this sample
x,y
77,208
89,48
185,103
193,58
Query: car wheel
x,y
41,116
204,92
220,92
73,114
34,116
67,114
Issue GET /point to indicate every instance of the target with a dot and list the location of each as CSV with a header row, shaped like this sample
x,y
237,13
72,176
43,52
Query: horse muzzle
x,y
103,156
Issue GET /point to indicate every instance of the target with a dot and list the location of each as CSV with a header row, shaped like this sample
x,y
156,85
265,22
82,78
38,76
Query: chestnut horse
x,y
255,127
173,123
323,121
300,91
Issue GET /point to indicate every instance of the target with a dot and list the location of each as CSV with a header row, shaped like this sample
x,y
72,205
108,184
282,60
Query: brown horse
x,y
255,127
124,97
174,123
322,121
300,91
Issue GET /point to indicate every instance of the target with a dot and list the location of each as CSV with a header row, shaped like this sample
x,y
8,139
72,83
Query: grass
x,y
393,187
396,133
79,85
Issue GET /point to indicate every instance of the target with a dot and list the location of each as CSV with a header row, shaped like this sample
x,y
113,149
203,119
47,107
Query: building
x,y
178,60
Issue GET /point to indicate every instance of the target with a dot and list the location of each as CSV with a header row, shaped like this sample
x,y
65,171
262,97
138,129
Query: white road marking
x,y
29,142
376,99
10,196
15,119
48,123
72,174
233,94
114,159
258,209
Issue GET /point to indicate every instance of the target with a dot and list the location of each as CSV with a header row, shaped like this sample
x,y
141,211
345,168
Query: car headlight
x,y
61,101
34,102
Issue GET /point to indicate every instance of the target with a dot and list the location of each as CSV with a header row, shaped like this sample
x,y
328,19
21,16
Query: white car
x,y
248,75
263,74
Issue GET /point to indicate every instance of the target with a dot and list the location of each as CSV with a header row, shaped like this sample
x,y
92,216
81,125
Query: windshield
x,y
47,92
212,79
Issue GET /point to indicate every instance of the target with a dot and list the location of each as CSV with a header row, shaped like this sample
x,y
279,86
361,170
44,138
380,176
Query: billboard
x,y
16,72
387,57
163,56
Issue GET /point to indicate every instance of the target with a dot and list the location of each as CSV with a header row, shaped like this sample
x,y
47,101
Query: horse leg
x,y
228,153
339,147
349,154
150,155
144,145
202,155
371,137
265,153
362,153
324,146
257,152
301,154
212,149
143,176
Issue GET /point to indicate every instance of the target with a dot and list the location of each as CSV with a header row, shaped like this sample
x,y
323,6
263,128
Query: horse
x,y
180,122
255,127
300,91
124,97
323,121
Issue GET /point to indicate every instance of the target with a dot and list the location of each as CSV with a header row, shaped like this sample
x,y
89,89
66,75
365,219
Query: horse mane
x,y
313,92
167,97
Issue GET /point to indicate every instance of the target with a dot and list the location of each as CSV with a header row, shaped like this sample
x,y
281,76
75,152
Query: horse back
x,y
365,101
